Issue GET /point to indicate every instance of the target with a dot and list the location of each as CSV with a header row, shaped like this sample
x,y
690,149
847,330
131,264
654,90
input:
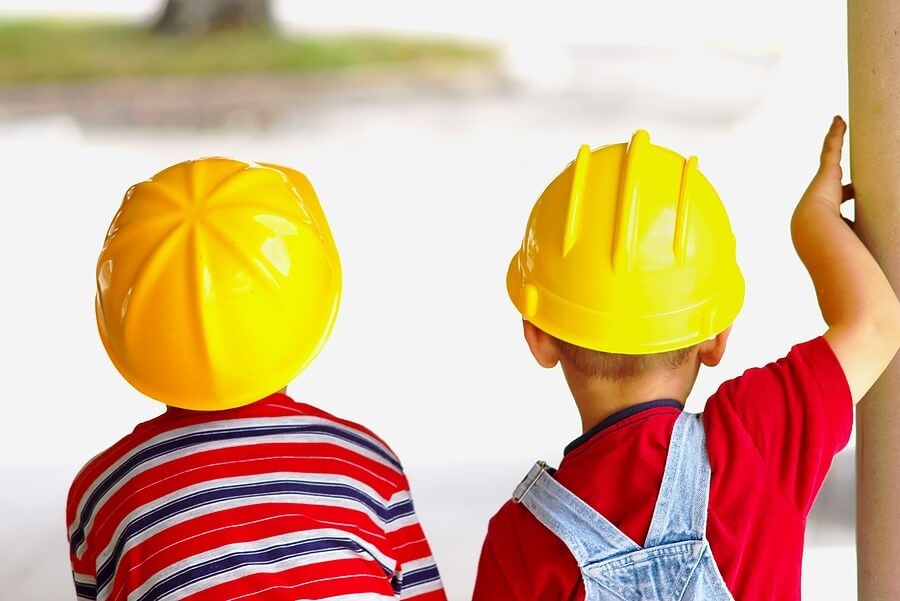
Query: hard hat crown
x,y
628,250
218,282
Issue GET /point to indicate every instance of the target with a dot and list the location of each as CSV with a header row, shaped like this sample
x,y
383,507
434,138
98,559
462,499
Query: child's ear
x,y
542,345
711,350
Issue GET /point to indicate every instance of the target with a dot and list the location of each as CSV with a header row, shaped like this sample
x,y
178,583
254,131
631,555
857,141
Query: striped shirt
x,y
274,500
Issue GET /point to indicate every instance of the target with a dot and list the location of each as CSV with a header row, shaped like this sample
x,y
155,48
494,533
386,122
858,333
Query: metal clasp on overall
x,y
542,469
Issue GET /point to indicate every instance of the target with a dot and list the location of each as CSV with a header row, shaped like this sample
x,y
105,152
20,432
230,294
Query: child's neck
x,y
598,398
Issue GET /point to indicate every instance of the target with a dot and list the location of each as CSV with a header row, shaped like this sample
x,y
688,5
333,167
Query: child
x,y
627,278
218,283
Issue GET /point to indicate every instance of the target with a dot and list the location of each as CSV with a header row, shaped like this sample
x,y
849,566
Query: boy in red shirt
x,y
627,278
219,281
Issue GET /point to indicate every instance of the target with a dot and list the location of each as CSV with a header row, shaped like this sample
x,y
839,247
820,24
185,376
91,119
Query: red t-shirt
x,y
771,435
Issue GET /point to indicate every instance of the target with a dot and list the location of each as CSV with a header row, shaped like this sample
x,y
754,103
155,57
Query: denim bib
x,y
675,564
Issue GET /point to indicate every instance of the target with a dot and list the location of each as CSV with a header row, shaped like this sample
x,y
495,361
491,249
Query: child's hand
x,y
825,186
857,302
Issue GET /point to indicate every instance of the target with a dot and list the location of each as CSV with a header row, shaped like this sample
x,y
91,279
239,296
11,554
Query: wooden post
x,y
873,35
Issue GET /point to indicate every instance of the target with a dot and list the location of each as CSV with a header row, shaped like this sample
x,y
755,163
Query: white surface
x,y
427,349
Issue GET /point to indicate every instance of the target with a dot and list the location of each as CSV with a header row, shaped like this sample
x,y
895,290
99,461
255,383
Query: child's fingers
x,y
831,147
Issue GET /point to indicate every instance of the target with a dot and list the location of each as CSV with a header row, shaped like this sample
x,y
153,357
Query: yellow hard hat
x,y
218,282
629,250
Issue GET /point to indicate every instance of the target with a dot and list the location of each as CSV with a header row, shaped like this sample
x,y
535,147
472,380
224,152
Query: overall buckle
x,y
539,469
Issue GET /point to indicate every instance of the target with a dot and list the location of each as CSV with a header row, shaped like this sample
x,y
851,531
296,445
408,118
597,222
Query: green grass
x,y
60,51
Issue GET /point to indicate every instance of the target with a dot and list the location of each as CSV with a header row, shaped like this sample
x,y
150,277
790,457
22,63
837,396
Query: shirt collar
x,y
618,416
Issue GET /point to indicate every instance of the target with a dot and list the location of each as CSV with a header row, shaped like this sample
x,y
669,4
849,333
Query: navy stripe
x,y
265,556
419,576
88,591
196,438
387,514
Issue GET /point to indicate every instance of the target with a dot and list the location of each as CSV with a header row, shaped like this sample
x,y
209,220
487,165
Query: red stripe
x,y
231,526
317,581
261,519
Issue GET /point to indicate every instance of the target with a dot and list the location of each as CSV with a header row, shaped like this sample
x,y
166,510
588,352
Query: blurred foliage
x,y
67,51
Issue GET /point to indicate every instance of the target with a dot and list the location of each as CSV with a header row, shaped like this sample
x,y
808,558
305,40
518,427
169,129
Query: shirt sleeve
x,y
85,585
417,575
83,575
490,582
797,412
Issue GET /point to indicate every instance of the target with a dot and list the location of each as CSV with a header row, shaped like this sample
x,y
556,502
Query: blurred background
x,y
428,131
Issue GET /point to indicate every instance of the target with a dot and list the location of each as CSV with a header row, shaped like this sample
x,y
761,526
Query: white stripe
x,y
402,496
424,562
211,427
204,510
351,597
358,429
376,535
136,514
400,523
83,578
272,568
414,541
221,425
423,587
363,597
260,476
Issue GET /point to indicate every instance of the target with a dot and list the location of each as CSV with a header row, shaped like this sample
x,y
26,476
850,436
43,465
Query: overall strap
x,y
681,508
588,535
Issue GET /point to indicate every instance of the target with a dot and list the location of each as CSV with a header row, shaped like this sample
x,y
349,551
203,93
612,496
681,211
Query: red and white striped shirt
x,y
274,500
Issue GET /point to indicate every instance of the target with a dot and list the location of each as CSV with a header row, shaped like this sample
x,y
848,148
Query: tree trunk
x,y
204,16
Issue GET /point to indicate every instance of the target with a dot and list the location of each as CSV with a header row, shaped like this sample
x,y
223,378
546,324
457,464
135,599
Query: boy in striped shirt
x,y
218,283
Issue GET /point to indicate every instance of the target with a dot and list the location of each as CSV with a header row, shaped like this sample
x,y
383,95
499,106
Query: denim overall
x,y
676,563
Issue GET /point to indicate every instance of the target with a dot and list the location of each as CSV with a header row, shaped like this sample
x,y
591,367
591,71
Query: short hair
x,y
616,366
